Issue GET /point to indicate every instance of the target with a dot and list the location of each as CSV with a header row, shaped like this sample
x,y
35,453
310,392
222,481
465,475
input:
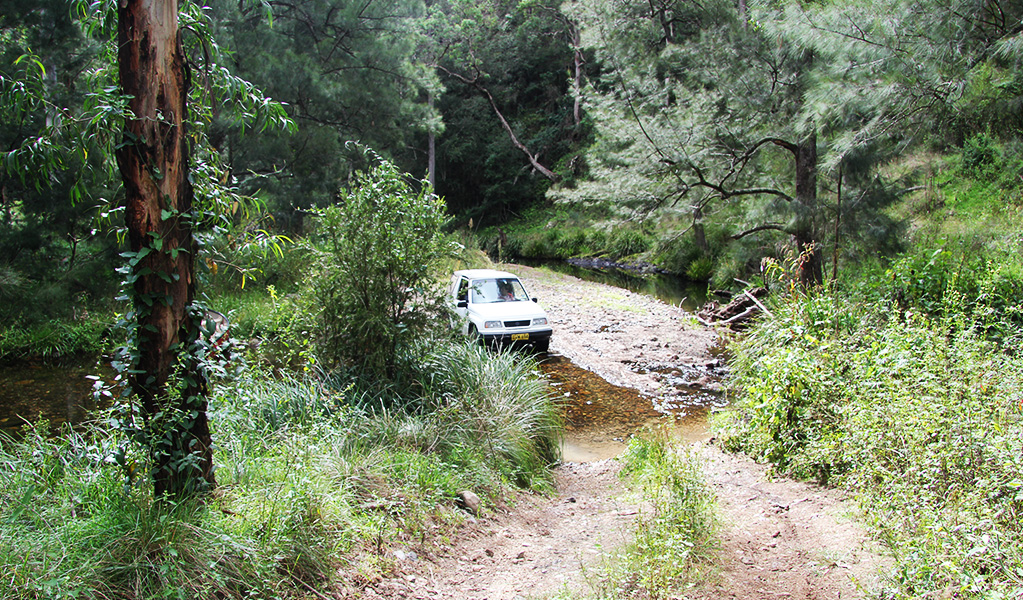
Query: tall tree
x,y
707,116
146,126
154,163
508,107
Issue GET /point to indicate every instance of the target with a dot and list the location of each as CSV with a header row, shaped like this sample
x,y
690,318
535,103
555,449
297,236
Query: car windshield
x,y
498,290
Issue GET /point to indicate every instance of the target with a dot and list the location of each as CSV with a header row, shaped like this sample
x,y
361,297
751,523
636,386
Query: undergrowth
x,y
317,479
912,395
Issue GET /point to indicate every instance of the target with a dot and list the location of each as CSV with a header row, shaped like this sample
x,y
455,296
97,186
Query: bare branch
x,y
533,158
767,227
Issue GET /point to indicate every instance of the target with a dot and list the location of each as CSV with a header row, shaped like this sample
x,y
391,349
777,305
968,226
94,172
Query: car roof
x,y
485,274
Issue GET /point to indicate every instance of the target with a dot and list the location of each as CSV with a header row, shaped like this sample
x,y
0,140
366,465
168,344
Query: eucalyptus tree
x,y
144,118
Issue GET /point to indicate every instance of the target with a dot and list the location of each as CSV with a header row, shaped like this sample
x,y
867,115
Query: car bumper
x,y
514,337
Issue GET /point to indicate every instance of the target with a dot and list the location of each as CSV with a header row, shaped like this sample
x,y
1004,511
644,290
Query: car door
x,y
460,291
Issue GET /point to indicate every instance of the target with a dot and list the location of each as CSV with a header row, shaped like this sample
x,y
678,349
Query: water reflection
x,y
600,417
59,393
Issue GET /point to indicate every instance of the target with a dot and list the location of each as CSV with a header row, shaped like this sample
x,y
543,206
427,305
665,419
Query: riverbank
x,y
625,337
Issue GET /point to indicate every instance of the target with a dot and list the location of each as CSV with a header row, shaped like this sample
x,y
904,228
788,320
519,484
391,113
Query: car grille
x,y
516,323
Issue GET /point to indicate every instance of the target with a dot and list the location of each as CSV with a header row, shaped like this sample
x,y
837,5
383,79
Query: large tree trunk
x,y
807,240
154,164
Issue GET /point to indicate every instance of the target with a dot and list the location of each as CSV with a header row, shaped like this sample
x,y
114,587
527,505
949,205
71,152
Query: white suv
x,y
495,306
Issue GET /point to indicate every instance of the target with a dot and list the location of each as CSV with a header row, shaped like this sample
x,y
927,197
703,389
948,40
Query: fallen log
x,y
738,312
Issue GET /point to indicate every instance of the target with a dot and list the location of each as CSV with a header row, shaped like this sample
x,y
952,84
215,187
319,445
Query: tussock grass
x,y
52,339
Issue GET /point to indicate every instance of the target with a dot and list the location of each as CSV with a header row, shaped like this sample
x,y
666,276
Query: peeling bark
x,y
154,164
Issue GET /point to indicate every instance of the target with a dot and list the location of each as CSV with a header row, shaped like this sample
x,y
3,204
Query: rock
x,y
403,555
469,501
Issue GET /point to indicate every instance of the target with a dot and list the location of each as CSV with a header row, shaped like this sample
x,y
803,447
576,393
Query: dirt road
x,y
780,538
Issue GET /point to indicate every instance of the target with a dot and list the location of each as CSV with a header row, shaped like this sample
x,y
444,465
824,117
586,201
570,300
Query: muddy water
x,y
59,393
601,417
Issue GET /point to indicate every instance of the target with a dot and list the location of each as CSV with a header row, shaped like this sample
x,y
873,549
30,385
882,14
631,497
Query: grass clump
x,y
674,545
52,339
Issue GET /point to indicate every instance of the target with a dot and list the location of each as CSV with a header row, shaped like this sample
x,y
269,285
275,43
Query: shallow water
x,y
601,417
59,393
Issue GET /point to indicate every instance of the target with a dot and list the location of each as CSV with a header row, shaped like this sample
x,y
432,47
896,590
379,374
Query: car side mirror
x,y
534,300
463,304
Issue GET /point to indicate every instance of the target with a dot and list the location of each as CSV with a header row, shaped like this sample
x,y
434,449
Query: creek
x,y
58,393
600,417
670,289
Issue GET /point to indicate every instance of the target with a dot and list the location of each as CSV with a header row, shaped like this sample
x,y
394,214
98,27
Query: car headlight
x,y
540,321
491,324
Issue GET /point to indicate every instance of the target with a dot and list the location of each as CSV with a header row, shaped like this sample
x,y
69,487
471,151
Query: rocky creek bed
x,y
780,538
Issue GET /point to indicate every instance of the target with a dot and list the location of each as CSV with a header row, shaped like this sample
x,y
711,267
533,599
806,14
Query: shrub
x,y
534,245
627,242
979,153
987,294
676,253
596,241
919,414
569,243
491,402
376,282
283,325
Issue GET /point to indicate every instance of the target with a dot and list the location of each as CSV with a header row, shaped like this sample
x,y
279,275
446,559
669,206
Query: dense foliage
x,y
734,131
876,144
911,394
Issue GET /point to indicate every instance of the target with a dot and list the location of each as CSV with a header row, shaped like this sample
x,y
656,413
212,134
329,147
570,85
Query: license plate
x,y
517,337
